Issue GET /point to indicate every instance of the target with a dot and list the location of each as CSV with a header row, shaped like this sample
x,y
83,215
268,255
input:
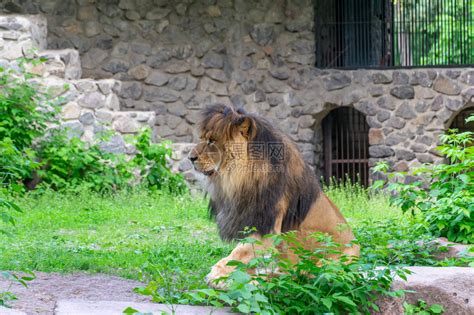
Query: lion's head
x,y
251,167
224,137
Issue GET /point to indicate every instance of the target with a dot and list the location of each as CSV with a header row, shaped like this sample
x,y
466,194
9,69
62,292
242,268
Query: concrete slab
x,y
83,307
9,311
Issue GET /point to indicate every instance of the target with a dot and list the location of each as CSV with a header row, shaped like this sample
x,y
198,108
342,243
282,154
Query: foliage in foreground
x,y
339,287
35,152
7,218
422,308
445,198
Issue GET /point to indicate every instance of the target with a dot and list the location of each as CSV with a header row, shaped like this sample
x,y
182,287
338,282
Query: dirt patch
x,y
42,293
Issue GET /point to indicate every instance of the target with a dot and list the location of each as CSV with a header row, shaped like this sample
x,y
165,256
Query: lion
x,y
257,178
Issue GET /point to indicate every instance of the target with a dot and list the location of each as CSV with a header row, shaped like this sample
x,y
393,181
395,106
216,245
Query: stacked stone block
x,y
175,57
88,106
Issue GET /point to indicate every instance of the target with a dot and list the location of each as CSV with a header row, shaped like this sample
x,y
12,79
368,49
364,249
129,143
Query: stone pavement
x,y
81,307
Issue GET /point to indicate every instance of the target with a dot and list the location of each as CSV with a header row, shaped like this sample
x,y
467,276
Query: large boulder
x,y
451,287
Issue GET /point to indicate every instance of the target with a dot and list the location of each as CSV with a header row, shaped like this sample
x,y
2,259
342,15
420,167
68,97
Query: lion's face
x,y
223,143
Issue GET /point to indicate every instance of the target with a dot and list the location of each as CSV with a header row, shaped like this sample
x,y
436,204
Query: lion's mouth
x,y
208,173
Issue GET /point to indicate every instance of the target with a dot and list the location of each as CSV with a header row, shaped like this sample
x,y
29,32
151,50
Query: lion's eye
x,y
210,141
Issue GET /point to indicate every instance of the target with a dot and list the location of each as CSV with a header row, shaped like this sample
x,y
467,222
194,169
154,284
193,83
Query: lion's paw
x,y
219,271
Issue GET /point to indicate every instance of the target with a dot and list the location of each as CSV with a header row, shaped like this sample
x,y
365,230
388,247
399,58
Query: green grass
x,y
116,234
134,233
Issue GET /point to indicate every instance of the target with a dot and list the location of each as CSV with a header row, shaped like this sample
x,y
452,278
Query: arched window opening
x,y
459,121
346,149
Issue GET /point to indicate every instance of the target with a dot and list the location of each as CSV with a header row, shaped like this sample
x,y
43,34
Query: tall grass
x,y
358,203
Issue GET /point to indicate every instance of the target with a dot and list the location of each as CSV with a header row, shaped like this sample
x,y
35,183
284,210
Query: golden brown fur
x,y
271,192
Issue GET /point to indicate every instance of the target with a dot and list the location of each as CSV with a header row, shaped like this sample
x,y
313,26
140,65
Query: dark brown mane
x,y
255,201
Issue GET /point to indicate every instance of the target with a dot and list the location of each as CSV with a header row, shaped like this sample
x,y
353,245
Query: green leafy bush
x,y
32,153
151,159
445,198
25,112
338,287
70,162
422,308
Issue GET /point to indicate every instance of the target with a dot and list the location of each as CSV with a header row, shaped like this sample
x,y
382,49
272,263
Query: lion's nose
x,y
192,158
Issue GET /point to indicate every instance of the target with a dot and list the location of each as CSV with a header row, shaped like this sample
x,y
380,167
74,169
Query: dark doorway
x,y
346,149
459,121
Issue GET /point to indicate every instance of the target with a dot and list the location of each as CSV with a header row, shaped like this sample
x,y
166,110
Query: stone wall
x,y
174,57
88,106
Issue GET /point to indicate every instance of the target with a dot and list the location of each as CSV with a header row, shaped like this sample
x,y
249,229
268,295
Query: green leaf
x,y
436,308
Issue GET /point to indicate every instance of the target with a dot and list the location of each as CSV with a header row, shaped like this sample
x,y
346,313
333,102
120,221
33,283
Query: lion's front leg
x,y
243,253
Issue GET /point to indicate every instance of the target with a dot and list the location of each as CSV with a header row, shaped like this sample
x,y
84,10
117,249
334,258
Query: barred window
x,y
394,33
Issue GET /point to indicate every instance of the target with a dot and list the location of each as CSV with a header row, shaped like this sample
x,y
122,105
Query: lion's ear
x,y
247,128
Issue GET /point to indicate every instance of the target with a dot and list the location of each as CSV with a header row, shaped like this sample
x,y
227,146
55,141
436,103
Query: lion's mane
x,y
244,198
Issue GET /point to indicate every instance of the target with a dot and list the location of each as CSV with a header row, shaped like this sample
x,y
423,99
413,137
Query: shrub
x,y
151,159
70,162
32,153
445,198
25,112
338,287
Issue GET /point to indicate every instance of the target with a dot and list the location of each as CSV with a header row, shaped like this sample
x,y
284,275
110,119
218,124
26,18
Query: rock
x,y
92,28
468,77
279,73
424,158
71,111
386,103
213,60
403,92
213,87
246,63
87,118
140,72
376,91
93,58
125,124
249,86
116,65
259,96
406,155
453,250
262,33
238,100
87,13
91,100
177,67
400,78
394,139
115,144
453,74
380,151
375,136
131,89
157,14
450,287
112,102
383,115
366,107
74,128
213,11
157,78
437,103
405,110
396,123
178,83
217,75
381,78
422,106
336,81
454,104
132,15
446,86
161,94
